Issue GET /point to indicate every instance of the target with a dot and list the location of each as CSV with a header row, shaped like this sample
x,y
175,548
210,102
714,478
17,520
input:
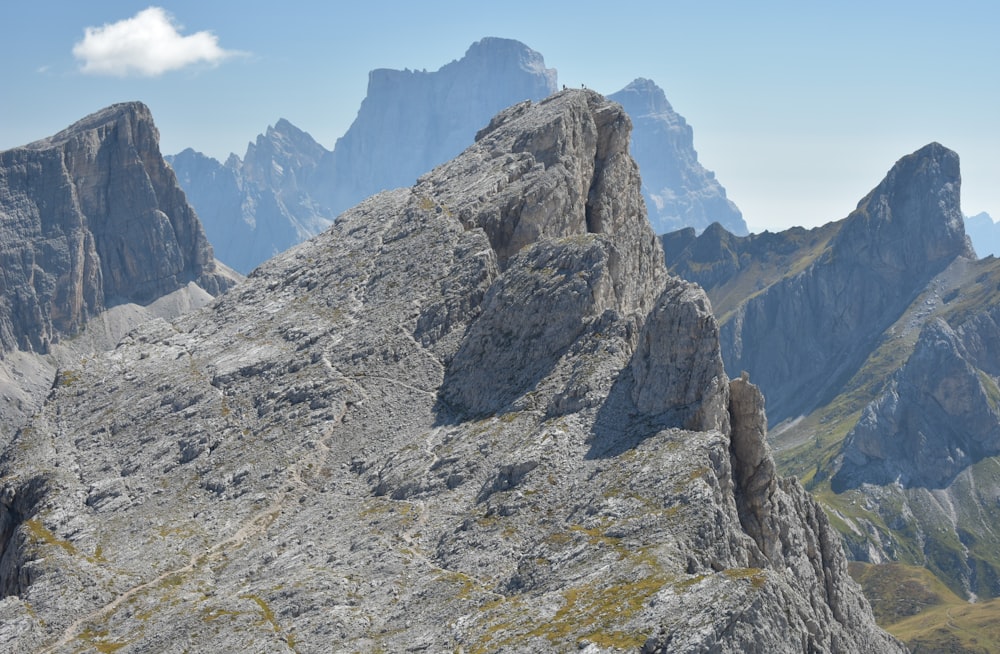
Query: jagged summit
x,y
679,191
262,204
474,414
913,220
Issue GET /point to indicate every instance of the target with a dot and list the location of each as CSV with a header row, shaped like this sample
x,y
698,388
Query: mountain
x,y
801,310
876,336
411,121
288,187
984,233
476,414
258,206
679,192
95,233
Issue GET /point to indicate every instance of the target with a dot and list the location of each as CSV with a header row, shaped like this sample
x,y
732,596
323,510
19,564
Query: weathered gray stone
x,y
93,217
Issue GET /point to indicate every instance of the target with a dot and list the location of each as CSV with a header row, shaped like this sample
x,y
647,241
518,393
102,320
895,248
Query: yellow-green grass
x,y
912,604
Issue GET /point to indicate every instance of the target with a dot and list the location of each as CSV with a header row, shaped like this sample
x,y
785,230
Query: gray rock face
x,y
93,217
261,205
802,309
679,192
314,463
940,415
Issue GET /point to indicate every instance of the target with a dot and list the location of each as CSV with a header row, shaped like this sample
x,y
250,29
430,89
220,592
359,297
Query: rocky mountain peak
x,y
411,121
776,292
646,98
566,172
499,54
912,220
93,217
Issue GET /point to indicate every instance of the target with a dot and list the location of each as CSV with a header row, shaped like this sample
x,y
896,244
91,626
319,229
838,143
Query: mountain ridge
x,y
97,236
334,387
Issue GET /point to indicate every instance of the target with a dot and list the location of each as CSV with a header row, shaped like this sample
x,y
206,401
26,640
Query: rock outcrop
x,y
939,415
427,429
255,207
679,191
93,217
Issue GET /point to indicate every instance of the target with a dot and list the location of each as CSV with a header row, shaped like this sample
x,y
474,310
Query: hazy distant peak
x,y
494,49
645,98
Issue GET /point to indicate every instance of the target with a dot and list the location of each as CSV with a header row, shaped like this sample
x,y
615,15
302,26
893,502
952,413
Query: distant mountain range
x,y
287,187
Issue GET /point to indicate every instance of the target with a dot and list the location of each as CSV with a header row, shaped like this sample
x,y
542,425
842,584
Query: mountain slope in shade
x,y
679,192
456,420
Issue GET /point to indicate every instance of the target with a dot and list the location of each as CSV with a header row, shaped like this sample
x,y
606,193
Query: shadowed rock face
x,y
938,416
93,217
474,414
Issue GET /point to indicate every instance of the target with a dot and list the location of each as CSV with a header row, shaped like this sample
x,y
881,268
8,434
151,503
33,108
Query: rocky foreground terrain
x,y
474,415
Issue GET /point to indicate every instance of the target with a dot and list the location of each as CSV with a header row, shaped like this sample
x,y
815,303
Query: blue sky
x,y
799,107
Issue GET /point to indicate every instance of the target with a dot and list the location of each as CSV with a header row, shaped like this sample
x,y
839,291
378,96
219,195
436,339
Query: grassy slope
x,y
917,608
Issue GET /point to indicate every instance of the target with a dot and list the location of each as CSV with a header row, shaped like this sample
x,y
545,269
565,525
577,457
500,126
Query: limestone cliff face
x,y
679,191
475,414
255,207
93,217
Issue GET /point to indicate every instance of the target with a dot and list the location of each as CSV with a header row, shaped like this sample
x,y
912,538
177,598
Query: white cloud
x,y
147,44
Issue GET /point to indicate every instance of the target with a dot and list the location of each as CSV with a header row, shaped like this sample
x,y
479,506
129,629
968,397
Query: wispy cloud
x,y
148,44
